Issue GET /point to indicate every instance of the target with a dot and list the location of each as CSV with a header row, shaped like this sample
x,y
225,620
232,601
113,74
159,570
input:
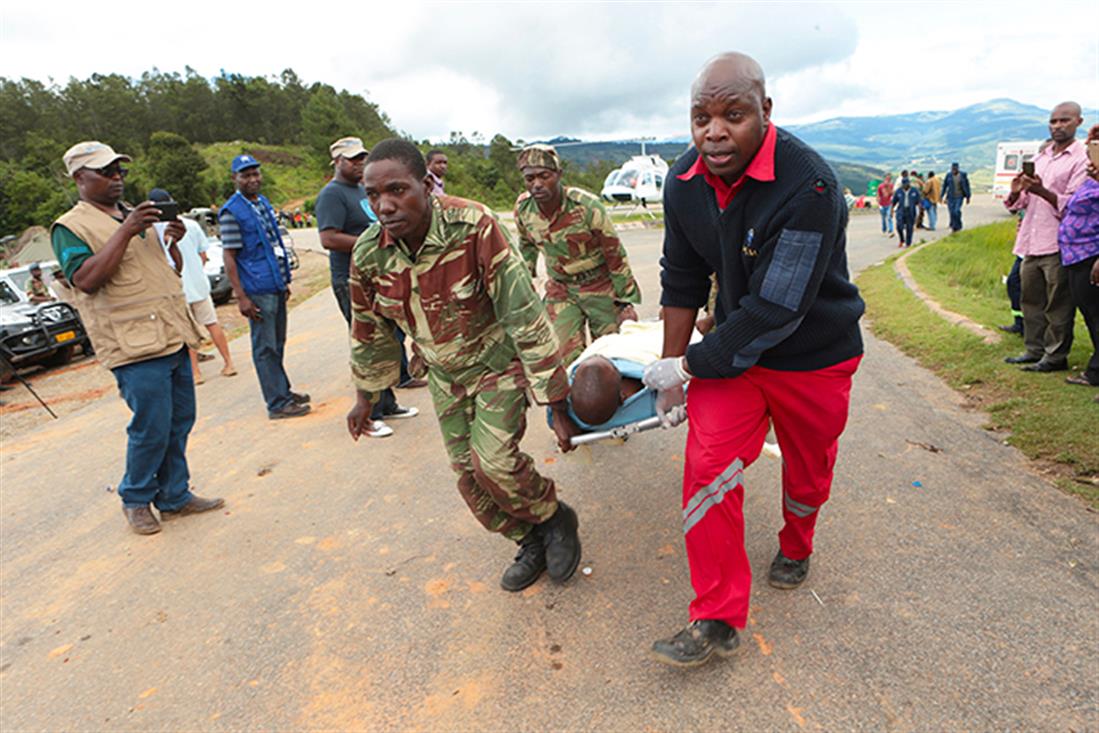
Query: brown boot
x,y
196,505
141,519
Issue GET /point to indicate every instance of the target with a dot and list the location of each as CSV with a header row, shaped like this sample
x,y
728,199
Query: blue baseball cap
x,y
242,162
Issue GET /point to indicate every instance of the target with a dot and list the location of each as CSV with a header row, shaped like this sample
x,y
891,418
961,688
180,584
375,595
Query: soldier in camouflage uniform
x,y
37,290
445,271
589,276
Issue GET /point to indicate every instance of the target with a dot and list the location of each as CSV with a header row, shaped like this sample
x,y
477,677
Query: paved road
x,y
347,587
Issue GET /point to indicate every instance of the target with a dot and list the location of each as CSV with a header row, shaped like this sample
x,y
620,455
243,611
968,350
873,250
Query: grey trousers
x,y
1048,311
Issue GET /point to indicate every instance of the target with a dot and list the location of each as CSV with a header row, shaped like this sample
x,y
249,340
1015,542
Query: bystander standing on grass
x,y
1048,312
1078,238
963,273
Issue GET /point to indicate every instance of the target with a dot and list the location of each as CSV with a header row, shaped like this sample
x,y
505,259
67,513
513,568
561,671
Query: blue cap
x,y
243,161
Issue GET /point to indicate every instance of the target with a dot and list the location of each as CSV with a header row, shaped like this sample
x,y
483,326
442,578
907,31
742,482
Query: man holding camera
x,y
1044,192
133,308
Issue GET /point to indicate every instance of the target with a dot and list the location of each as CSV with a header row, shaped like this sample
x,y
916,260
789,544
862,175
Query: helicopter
x,y
640,179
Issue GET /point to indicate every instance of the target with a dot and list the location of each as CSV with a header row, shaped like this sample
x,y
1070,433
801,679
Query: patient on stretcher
x,y
606,390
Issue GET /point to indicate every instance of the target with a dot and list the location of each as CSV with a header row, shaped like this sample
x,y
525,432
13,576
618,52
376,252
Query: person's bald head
x,y
730,112
732,70
1063,121
595,392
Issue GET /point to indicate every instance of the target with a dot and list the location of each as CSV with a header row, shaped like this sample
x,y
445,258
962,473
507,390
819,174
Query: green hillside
x,y
290,173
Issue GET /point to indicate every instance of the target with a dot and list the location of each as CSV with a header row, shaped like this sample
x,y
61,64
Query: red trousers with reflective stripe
x,y
728,420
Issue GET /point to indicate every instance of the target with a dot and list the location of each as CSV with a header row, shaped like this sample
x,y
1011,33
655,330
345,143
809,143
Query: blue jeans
x,y
161,395
886,219
955,208
932,216
268,347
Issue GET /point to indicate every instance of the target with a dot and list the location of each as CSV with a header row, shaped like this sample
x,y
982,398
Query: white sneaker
x,y
379,429
402,412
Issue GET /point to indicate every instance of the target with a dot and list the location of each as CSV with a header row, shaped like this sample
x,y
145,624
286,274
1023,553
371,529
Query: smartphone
x,y
1093,152
1028,168
169,210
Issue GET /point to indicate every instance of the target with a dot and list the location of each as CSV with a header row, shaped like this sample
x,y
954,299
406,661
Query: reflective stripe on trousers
x,y
728,421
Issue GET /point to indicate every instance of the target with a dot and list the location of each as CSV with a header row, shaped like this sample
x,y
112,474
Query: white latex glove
x,y
670,407
665,374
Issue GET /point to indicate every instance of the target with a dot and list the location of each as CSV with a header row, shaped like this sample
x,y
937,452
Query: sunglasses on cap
x,y
114,169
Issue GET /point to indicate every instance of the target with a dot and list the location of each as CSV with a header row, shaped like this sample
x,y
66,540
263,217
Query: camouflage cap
x,y
539,156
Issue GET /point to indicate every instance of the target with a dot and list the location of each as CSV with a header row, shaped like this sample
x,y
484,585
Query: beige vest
x,y
140,313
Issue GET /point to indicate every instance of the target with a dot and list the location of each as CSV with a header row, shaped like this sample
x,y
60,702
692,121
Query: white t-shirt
x,y
196,286
641,342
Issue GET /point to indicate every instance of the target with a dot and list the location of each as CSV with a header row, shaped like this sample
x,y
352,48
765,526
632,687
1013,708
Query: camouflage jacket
x,y
579,243
465,299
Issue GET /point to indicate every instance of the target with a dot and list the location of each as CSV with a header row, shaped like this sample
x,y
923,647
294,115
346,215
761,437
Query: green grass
x,y
1050,421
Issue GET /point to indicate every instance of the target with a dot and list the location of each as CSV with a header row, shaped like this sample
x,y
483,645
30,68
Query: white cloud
x,y
593,70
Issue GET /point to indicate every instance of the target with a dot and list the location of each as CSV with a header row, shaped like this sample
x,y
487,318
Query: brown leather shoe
x,y
141,519
196,505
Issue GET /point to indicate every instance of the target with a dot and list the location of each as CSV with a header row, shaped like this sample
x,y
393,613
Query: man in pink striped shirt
x,y
1048,311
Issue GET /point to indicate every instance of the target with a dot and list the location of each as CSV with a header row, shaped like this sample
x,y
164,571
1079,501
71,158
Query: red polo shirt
x,y
762,168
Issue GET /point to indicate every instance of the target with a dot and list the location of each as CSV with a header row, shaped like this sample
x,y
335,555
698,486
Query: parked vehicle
x,y
1010,157
288,242
220,287
42,333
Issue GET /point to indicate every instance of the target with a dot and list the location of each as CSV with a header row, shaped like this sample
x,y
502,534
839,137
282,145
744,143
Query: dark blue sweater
x,y
785,300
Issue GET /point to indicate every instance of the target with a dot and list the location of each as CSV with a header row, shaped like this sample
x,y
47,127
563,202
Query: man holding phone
x,y
1048,313
133,308
258,268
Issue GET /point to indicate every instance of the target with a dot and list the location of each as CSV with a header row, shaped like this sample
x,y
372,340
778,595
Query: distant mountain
x,y
861,147
968,135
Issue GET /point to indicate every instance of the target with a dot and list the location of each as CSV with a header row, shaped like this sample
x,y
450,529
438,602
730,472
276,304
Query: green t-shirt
x,y
69,249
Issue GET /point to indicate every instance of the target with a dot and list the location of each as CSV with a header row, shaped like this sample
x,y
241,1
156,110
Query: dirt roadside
x,y
69,388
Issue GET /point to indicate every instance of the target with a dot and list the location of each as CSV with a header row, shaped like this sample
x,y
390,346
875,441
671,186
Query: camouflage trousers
x,y
571,307
481,429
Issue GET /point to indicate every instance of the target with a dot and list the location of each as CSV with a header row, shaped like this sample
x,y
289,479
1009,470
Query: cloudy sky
x,y
597,71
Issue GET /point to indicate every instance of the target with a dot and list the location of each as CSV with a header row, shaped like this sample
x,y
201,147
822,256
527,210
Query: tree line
x,y
167,120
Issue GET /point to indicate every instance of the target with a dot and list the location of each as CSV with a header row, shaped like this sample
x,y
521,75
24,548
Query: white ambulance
x,y
1009,163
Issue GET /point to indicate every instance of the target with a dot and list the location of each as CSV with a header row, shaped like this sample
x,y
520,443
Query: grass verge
x,y
1053,423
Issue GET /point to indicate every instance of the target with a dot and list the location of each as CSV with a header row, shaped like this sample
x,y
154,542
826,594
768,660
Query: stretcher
x,y
621,432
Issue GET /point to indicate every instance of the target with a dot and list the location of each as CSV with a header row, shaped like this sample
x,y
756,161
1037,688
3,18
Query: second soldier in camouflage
x,y
590,282
446,272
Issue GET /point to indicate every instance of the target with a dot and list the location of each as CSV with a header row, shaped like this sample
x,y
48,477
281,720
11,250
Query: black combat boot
x,y
529,563
559,534
786,573
695,644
